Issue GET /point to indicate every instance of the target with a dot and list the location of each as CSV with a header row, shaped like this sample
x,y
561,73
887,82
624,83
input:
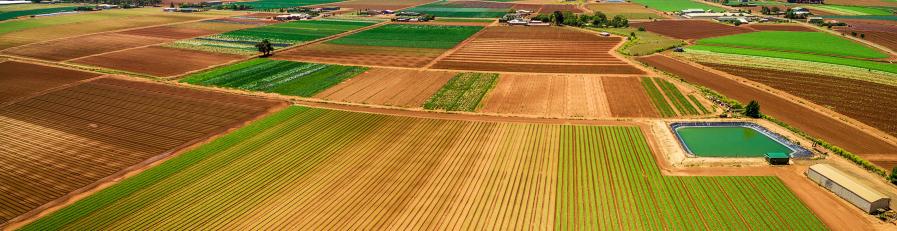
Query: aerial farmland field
x,y
464,9
284,77
676,5
382,172
818,43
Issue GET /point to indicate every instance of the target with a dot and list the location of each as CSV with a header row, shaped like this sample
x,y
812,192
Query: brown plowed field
x,y
158,61
870,103
362,55
170,32
59,142
391,87
538,49
810,121
779,27
22,79
77,47
548,95
627,98
869,25
690,29
886,39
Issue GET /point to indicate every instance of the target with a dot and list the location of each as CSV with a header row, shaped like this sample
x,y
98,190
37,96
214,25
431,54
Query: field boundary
x,y
458,46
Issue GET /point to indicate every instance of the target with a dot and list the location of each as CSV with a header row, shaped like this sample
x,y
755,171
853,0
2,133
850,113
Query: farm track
x,y
811,121
385,172
65,140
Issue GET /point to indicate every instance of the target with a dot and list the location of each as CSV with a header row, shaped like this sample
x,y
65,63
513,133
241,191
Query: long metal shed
x,y
839,183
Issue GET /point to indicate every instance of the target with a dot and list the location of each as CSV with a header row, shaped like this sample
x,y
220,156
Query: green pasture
x,y
281,4
677,5
819,43
855,10
449,9
410,36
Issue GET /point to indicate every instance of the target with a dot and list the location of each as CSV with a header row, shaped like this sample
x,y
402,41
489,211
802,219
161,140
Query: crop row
x,y
672,92
463,92
411,36
818,43
657,98
280,35
869,65
448,9
276,76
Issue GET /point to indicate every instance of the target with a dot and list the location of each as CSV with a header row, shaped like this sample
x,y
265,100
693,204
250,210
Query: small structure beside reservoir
x,y
847,188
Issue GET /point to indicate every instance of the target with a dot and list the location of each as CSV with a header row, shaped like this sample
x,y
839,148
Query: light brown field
x,y
626,9
158,61
548,95
391,87
19,79
83,46
627,98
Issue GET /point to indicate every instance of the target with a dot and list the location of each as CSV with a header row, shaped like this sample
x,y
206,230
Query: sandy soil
x,y
18,79
391,87
690,29
548,95
158,61
628,98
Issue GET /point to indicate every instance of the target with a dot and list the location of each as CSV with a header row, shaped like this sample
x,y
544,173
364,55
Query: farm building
x,y
839,183
777,158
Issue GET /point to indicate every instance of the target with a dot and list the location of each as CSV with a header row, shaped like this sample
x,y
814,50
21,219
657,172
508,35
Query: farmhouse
x,y
857,194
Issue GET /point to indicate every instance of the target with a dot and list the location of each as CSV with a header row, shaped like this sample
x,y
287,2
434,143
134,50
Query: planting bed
x,y
886,39
627,97
549,96
158,61
180,31
814,123
463,92
690,29
818,43
392,87
464,9
318,169
242,42
625,9
538,49
283,77
78,47
61,141
668,99
23,79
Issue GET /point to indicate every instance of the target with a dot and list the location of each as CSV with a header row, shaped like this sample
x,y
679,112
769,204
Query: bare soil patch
x,y
627,98
83,46
690,29
63,141
549,8
19,79
390,87
158,61
362,55
538,49
811,121
549,96
886,39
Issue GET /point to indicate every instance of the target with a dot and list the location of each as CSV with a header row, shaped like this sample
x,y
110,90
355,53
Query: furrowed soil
x,y
627,98
886,39
391,87
811,121
690,29
65,140
362,55
77,47
538,49
158,61
548,96
19,79
171,32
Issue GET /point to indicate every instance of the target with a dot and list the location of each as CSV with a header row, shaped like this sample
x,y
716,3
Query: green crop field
x,y
871,65
463,92
410,36
657,98
679,101
819,43
855,10
867,17
677,5
316,169
450,9
14,14
698,104
281,35
283,77
279,4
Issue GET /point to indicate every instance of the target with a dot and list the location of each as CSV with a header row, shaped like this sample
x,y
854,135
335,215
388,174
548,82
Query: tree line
x,y
598,19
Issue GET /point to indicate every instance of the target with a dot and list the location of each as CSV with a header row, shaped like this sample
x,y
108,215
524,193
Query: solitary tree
x,y
558,18
752,110
265,47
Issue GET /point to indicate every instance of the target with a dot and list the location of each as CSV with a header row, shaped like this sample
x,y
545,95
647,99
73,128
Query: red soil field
x,y
886,39
170,32
23,79
628,98
869,25
158,61
548,96
362,55
69,139
779,27
391,87
690,29
77,47
813,122
538,49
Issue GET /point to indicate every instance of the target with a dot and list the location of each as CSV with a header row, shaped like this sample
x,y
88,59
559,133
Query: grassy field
x,y
645,42
854,10
628,10
20,7
14,14
282,35
871,65
410,36
676,5
20,32
316,169
867,17
819,43
283,77
464,92
278,4
449,9
661,103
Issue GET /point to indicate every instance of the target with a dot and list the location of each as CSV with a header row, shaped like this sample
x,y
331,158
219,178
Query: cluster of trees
x,y
770,11
598,19
790,14
233,7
